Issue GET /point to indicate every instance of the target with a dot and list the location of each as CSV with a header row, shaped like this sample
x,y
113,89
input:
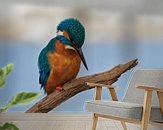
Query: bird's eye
x,y
59,33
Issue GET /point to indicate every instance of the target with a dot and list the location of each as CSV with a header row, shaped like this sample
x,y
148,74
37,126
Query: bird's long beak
x,y
80,52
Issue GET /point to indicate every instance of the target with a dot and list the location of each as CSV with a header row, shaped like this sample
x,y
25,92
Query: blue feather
x,y
75,30
63,40
43,64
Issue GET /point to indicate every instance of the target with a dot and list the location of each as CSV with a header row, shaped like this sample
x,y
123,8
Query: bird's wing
x,y
43,64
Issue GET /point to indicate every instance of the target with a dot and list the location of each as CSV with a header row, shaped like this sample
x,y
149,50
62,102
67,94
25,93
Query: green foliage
x,y
23,97
20,98
4,72
8,126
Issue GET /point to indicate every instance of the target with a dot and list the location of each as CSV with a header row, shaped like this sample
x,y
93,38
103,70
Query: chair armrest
x,y
148,99
100,85
98,90
150,88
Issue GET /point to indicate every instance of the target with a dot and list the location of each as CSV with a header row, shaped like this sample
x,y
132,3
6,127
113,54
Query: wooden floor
x,y
59,121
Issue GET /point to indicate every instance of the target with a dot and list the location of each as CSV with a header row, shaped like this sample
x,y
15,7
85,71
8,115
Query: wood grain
x,y
150,88
113,94
160,98
98,91
76,86
146,109
101,85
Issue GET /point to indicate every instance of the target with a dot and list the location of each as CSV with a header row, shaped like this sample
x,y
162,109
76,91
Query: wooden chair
x,y
142,104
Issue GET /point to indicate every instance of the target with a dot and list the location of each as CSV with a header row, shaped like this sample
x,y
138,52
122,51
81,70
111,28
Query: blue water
x,y
99,56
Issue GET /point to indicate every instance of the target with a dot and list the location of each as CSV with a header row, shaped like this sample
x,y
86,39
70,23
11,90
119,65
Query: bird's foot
x,y
59,88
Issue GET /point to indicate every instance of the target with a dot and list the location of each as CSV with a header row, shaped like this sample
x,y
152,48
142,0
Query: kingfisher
x,y
59,61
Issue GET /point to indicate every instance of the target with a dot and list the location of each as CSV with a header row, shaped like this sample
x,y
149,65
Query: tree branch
x,y
78,85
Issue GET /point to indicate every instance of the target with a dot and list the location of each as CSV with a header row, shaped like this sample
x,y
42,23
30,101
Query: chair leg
x,y
124,125
146,110
94,122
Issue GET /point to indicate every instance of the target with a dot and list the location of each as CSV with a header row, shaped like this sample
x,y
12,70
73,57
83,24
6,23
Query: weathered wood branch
x,y
78,85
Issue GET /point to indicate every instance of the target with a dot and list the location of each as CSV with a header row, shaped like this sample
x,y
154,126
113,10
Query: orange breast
x,y
65,65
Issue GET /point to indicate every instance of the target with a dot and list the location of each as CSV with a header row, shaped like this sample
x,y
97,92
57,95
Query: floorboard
x,y
58,121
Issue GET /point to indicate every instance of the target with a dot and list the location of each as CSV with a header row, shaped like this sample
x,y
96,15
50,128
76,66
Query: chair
x,y
142,104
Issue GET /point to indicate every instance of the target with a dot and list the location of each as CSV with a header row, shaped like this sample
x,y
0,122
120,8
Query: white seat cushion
x,y
125,110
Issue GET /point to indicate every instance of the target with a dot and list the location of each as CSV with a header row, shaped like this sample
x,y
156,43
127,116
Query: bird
x,y
59,61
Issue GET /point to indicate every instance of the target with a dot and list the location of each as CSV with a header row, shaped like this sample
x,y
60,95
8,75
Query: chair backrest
x,y
147,77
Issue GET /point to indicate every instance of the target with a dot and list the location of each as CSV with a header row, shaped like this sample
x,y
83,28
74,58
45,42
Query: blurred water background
x,y
116,32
